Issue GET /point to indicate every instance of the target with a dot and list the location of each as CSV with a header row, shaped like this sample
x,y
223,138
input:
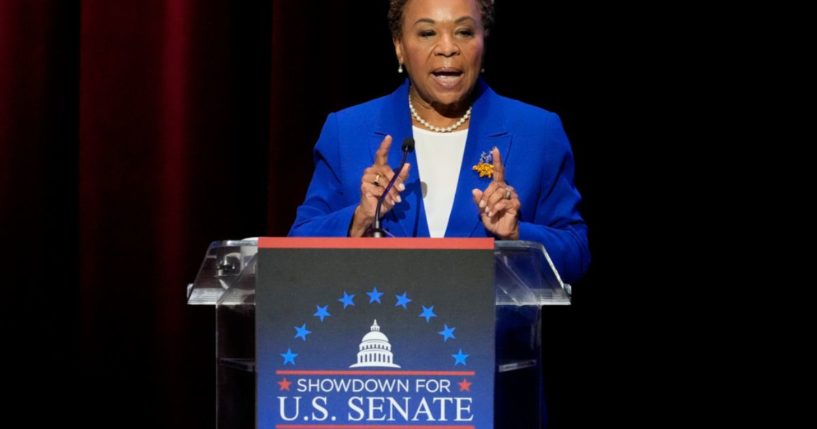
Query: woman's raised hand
x,y
499,204
372,185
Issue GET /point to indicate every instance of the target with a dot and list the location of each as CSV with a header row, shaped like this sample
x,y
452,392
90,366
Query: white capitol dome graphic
x,y
375,350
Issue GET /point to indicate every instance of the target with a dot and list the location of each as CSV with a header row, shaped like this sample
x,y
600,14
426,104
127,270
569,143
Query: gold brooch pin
x,y
485,166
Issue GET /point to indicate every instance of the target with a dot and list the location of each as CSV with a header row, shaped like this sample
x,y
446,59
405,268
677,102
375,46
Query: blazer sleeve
x,y
323,212
556,222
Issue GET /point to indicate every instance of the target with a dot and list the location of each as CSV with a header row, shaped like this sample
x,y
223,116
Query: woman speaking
x,y
483,165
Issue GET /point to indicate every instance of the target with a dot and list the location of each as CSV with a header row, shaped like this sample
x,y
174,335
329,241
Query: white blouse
x,y
439,157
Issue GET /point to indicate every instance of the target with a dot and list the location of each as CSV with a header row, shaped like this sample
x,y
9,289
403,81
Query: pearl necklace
x,y
449,129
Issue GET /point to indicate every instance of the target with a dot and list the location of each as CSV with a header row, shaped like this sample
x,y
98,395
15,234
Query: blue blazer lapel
x,y
486,131
407,219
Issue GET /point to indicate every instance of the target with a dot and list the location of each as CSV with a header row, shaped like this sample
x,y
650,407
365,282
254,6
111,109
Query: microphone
x,y
408,146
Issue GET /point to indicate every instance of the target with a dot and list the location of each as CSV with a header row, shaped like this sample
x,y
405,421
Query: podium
x,y
525,281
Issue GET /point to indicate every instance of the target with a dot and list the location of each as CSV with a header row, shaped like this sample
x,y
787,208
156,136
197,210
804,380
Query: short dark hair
x,y
396,7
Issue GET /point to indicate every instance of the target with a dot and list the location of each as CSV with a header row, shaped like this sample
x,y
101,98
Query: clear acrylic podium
x,y
525,281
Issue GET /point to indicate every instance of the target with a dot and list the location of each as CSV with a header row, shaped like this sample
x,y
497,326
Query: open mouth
x,y
447,72
447,76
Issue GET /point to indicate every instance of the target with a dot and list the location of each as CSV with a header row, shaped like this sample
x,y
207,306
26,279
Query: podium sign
x,y
366,333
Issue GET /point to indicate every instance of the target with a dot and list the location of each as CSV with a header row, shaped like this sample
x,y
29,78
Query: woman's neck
x,y
430,115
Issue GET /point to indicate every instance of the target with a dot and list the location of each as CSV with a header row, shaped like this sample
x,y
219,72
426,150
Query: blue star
x,y
302,332
460,357
322,312
374,296
289,357
402,300
428,313
347,299
447,333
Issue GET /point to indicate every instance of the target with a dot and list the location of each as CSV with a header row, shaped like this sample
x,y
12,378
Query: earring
x,y
482,70
400,68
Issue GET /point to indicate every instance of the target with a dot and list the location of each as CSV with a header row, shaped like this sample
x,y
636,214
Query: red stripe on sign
x,y
375,243
355,372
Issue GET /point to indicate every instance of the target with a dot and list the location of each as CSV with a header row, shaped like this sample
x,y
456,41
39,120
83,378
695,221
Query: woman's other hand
x,y
372,185
499,204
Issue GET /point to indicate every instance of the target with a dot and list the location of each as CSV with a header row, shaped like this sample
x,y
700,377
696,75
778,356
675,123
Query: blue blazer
x,y
534,148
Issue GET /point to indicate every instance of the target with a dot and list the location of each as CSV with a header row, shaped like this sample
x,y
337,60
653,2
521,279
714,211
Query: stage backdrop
x,y
132,133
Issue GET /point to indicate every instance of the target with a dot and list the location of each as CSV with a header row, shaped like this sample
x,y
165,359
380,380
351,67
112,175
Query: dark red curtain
x,y
133,133
38,203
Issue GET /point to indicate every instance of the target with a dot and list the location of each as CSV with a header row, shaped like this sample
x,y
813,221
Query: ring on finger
x,y
377,180
508,194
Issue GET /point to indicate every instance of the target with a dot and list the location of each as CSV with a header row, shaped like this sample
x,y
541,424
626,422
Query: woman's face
x,y
441,48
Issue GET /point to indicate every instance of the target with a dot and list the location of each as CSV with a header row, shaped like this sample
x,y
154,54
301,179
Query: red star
x,y
284,384
465,385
